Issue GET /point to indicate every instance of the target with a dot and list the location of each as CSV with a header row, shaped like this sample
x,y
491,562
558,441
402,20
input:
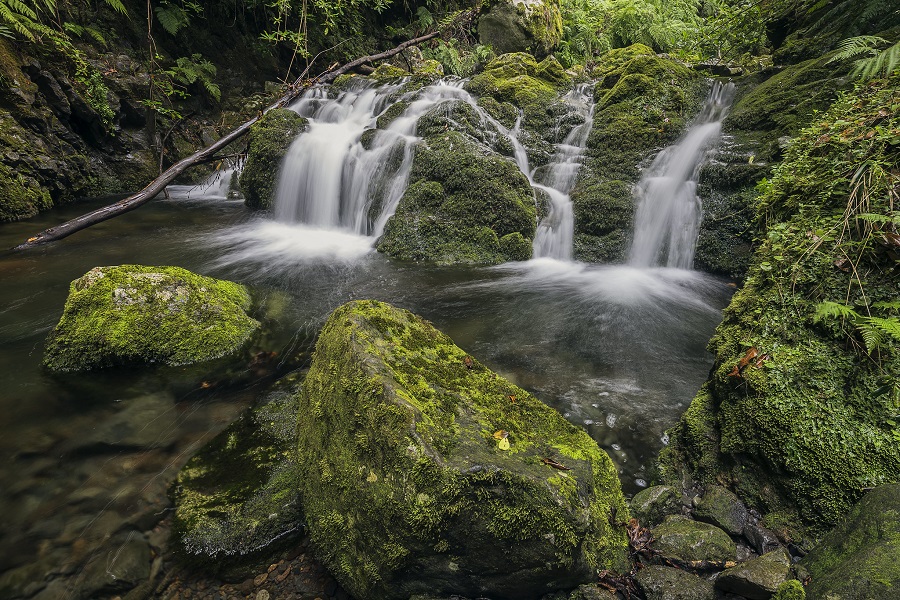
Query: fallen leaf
x,y
469,362
843,264
501,434
738,369
512,399
554,464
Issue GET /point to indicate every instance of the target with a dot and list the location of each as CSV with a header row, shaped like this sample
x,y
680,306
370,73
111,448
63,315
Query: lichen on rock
x,y
270,139
407,488
134,314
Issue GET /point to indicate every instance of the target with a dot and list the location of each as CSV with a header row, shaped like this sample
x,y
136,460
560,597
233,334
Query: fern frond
x,y
887,305
117,6
889,326
872,336
172,18
827,310
880,65
855,46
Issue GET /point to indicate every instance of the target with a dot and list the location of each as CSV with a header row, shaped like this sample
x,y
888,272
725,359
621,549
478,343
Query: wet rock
x,y
652,505
133,314
860,558
406,489
667,583
758,578
144,422
521,26
269,142
763,540
683,539
591,592
723,509
120,565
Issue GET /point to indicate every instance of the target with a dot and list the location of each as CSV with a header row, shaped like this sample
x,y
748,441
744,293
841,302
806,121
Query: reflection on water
x,y
618,350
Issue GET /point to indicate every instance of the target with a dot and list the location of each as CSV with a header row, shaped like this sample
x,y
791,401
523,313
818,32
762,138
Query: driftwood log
x,y
205,155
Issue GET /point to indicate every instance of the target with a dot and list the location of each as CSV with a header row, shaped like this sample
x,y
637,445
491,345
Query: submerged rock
x,y
685,540
758,578
521,26
133,314
860,558
270,139
426,473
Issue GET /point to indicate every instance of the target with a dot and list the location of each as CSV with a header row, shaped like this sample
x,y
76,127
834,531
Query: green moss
x,y
239,496
685,540
513,26
790,590
461,202
269,142
802,428
861,557
387,73
135,314
21,197
405,488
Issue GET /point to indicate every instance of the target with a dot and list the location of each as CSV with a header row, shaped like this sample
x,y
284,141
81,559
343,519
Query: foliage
x,y
878,64
457,59
173,17
877,333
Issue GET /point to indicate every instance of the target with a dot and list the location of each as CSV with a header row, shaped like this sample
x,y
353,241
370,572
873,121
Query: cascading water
x,y
556,232
668,216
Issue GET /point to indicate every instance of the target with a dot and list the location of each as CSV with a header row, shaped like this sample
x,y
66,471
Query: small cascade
x,y
556,232
667,221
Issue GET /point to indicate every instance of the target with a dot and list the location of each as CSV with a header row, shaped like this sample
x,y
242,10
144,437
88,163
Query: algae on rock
x,y
134,314
270,139
406,488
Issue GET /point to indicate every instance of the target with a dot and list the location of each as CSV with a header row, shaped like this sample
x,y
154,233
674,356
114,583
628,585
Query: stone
x,y
406,489
133,314
860,558
533,26
121,564
763,540
149,421
270,139
668,583
652,505
686,540
758,578
591,592
721,508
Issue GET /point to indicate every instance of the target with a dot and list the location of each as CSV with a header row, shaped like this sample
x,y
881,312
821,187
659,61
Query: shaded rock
x,y
763,540
860,558
591,592
407,490
758,578
238,498
533,26
132,314
723,509
120,565
668,583
683,539
270,139
145,422
652,505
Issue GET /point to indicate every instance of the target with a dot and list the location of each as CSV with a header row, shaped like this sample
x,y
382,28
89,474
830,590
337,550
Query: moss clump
x,y
533,26
790,590
804,423
405,488
239,495
642,105
387,73
861,557
20,197
269,142
464,204
132,314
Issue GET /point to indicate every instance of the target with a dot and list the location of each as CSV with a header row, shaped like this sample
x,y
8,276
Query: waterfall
x,y
556,232
668,214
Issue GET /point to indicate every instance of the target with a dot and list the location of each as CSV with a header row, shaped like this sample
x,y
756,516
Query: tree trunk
x,y
202,156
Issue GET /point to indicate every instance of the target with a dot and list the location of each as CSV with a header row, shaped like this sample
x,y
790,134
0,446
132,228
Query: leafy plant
x,y
877,333
173,17
196,69
878,63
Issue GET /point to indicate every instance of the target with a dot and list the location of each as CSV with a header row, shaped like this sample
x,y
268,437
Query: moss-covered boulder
x,y
758,578
426,473
643,102
270,139
685,540
798,415
668,583
533,26
134,314
720,507
239,496
860,558
464,204
652,505
22,197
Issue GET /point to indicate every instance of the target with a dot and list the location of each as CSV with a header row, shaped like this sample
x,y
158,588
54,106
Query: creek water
x,y
618,350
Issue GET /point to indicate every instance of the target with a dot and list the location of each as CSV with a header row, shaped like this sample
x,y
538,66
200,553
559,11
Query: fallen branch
x,y
203,156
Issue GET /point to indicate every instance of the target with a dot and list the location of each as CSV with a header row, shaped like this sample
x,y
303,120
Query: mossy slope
x,y
798,414
405,488
133,314
270,139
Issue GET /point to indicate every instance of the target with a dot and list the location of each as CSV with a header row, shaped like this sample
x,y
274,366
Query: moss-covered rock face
x,y
22,196
426,473
668,583
798,414
758,578
239,495
464,204
652,505
533,26
685,540
643,102
132,314
861,557
269,142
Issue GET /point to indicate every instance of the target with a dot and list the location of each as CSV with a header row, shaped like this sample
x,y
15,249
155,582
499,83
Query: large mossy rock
x,y
464,204
407,489
861,557
796,415
668,583
270,139
758,578
627,129
685,540
533,26
239,496
134,314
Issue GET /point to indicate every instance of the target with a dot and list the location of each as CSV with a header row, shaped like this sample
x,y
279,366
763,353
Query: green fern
x,y
879,63
173,18
877,333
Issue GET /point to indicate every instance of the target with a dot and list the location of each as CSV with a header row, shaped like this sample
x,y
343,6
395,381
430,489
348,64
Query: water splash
x,y
669,211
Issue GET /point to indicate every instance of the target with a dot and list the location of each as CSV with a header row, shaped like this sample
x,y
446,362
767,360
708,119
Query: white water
x,y
669,211
556,232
